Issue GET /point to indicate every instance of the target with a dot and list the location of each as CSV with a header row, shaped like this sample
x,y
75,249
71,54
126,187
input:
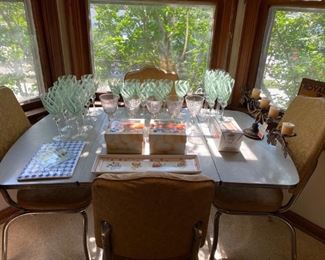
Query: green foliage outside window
x,y
296,50
175,38
16,57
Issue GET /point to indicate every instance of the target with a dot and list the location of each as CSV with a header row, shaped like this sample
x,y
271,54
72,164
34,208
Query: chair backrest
x,y
151,73
308,115
152,215
312,88
13,121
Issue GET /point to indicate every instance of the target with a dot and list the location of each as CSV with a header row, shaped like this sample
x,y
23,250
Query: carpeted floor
x,y
56,237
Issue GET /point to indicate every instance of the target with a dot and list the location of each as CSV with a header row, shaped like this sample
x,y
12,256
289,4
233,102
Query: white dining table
x,y
256,164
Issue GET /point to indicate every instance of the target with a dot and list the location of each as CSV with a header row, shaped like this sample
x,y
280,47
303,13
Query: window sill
x,y
36,114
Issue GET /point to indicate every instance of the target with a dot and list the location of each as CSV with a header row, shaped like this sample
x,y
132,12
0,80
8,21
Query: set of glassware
x,y
218,87
151,94
68,101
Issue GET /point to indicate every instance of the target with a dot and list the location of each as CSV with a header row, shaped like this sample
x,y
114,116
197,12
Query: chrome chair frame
x,y
23,212
277,214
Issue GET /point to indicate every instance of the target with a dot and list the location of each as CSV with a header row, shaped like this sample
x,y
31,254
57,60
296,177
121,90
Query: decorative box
x,y
167,137
229,133
125,137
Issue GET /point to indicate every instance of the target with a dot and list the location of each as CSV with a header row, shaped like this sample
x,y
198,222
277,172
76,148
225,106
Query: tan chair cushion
x,y
150,73
152,215
54,198
13,122
308,116
247,199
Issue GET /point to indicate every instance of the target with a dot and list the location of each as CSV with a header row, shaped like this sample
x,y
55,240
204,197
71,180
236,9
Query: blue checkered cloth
x,y
34,170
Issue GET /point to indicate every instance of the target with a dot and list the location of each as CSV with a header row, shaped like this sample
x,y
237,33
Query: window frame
x,y
267,37
44,15
34,48
254,29
223,27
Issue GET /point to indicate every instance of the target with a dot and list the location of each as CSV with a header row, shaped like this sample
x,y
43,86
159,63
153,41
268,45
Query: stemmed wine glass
x,y
146,90
109,103
211,88
181,88
55,110
225,93
218,84
194,104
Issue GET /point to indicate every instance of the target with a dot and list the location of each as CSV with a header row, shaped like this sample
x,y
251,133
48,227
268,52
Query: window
x,y
18,54
294,48
175,37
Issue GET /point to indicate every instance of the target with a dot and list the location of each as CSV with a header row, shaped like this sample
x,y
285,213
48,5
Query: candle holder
x,y
275,136
251,103
260,115
255,111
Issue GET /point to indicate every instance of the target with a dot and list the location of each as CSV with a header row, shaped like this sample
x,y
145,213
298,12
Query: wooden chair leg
x,y
215,234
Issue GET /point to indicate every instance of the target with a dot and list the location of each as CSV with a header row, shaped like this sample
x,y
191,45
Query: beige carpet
x,y
56,237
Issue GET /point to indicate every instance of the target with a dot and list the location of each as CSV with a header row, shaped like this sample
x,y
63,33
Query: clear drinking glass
x,y
194,104
154,106
174,105
109,103
132,105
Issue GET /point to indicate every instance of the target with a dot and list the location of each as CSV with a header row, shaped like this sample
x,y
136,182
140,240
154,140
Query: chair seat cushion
x,y
54,198
247,199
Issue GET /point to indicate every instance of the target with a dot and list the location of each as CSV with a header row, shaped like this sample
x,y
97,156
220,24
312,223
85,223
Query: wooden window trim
x,y
45,17
47,29
254,27
259,37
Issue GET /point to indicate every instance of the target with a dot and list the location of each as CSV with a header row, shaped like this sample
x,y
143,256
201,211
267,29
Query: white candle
x,y
264,103
256,93
287,128
273,112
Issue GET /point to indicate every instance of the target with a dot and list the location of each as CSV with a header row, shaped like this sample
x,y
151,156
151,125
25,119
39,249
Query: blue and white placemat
x,y
55,160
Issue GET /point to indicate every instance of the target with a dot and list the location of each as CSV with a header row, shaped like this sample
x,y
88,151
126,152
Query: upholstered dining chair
x,y
308,115
150,72
13,124
151,215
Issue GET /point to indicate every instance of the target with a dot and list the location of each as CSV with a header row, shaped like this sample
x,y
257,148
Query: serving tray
x,y
121,163
40,167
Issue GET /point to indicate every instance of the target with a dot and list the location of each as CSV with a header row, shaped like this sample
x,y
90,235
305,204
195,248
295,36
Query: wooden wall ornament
x,y
312,88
